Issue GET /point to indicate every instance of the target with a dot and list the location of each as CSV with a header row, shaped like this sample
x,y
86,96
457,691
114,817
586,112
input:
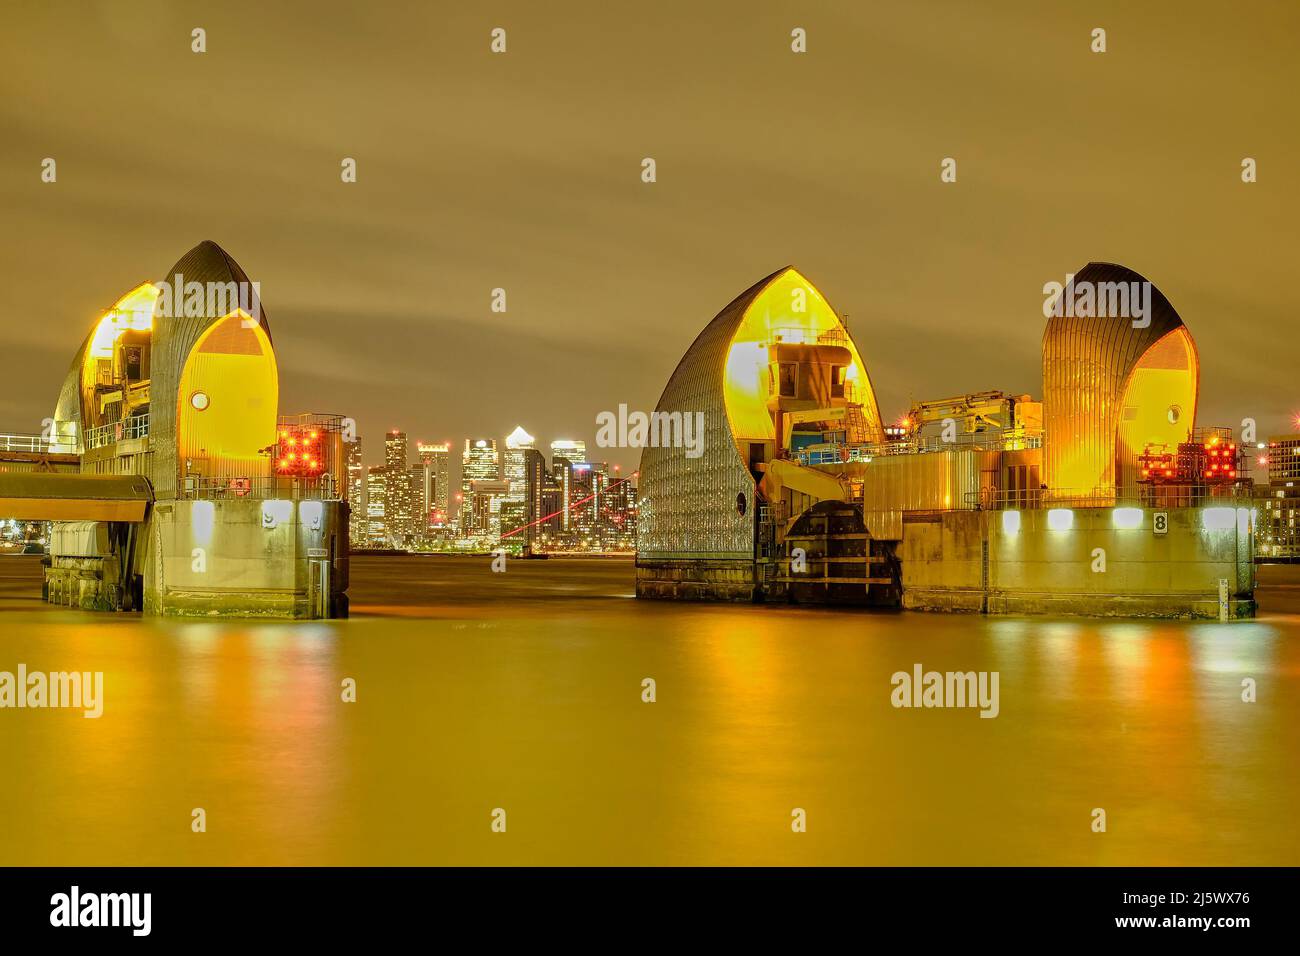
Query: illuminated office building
x,y
565,453
550,527
436,479
376,507
399,513
517,442
417,487
1277,503
568,450
356,494
479,462
619,514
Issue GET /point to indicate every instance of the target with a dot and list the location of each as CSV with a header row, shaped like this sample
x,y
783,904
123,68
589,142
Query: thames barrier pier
x,y
1103,498
172,484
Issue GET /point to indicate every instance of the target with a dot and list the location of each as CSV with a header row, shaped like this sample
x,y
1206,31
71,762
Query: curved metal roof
x,y
688,505
173,339
1087,361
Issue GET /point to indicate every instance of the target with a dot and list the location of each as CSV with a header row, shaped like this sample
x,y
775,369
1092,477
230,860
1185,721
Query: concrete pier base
x,y
247,557
985,562
692,579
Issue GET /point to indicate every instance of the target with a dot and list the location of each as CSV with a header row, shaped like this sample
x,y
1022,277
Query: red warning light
x,y
300,454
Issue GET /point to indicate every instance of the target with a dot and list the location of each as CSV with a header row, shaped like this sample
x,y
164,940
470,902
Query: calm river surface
x,y
522,691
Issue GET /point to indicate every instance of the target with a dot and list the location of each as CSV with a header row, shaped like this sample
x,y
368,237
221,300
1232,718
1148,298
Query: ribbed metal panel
x,y
1086,365
68,419
688,505
935,481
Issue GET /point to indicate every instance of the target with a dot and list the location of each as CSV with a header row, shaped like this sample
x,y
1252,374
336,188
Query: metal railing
x,y
34,444
1142,496
323,488
838,453
137,426
795,335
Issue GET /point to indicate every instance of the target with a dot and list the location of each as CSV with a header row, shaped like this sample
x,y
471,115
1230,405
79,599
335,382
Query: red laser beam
x,y
554,514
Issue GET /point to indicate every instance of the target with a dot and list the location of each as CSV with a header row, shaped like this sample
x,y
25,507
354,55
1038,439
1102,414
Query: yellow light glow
x,y
134,312
234,365
772,313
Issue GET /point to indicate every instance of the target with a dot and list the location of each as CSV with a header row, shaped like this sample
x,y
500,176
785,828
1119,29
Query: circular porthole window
x,y
199,401
1174,414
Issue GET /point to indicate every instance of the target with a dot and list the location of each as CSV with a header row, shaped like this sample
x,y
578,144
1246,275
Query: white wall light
x,y
1060,519
1218,519
1127,518
202,520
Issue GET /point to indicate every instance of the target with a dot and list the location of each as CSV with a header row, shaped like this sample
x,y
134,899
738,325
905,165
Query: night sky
x,y
522,171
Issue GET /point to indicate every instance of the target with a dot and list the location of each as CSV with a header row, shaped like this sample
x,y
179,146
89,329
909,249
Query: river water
x,y
522,692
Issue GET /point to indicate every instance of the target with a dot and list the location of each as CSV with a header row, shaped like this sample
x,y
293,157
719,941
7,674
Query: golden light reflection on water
x,y
534,705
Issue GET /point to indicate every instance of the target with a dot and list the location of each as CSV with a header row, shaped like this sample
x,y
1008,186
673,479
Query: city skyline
x,y
509,495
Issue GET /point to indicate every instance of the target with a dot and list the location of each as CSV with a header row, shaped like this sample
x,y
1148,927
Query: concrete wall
x,y
242,557
1035,569
695,579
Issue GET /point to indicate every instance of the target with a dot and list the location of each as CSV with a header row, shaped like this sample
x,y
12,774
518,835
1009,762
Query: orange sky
x,y
522,170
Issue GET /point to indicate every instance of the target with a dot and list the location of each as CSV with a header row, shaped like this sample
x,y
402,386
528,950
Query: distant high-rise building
x,y
583,503
551,525
398,514
485,500
479,462
568,450
355,492
517,442
619,513
521,510
436,460
376,498
564,454
417,485
535,476
1278,501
